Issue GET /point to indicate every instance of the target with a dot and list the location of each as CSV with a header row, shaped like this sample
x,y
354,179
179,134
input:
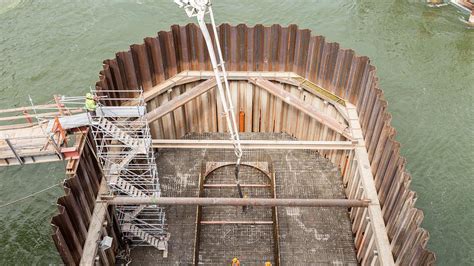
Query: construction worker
x,y
235,262
90,103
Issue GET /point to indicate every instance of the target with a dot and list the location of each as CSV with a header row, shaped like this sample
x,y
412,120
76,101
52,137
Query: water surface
x,y
424,57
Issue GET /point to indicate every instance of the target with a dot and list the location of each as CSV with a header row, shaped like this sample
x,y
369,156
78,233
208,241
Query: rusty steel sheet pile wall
x,y
70,225
283,49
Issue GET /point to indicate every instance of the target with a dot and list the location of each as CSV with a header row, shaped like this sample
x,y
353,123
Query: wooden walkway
x,y
54,136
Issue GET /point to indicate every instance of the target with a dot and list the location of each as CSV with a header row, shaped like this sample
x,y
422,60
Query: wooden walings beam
x,y
374,210
168,84
237,222
94,232
253,144
240,75
180,100
199,201
301,105
234,185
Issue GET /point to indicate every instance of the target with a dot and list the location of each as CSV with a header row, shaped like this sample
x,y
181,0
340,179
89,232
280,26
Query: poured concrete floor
x,y
308,236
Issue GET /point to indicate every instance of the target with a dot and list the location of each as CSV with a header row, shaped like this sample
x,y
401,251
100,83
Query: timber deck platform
x,y
51,138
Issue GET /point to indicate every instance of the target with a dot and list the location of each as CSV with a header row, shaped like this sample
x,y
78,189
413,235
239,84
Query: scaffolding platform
x,y
79,120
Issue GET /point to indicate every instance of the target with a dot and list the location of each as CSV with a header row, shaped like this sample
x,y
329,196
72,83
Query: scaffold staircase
x,y
159,243
128,163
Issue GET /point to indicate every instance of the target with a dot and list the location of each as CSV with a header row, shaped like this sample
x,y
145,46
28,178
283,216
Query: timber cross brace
x,y
260,79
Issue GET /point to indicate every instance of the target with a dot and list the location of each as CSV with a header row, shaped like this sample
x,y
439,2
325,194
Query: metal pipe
x,y
122,200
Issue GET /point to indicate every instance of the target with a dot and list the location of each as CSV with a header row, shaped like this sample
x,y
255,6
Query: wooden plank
x,y
206,112
28,108
16,126
240,75
381,240
179,114
49,114
199,107
268,202
234,90
233,185
95,227
168,119
190,111
166,85
248,103
180,100
221,123
276,225
237,222
310,110
253,144
264,110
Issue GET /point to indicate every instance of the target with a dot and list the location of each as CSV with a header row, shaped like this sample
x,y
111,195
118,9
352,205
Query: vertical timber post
x,y
276,232
197,233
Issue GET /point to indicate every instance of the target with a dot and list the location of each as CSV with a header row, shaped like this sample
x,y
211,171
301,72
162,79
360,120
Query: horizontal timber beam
x,y
253,144
374,210
301,105
238,222
168,84
290,78
233,185
94,232
347,203
240,75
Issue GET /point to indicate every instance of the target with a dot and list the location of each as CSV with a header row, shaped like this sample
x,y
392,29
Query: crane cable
x,y
30,195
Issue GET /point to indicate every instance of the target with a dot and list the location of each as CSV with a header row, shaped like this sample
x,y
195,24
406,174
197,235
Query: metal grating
x,y
308,236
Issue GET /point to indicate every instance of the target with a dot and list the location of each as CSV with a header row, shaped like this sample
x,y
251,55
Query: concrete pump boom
x,y
199,8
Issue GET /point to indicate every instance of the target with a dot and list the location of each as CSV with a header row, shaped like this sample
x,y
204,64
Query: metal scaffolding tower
x,y
124,148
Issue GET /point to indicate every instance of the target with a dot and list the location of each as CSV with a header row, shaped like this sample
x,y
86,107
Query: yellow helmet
x,y
235,260
89,95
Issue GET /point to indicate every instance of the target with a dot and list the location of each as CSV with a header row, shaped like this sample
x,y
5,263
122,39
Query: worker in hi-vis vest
x,y
90,103
235,262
